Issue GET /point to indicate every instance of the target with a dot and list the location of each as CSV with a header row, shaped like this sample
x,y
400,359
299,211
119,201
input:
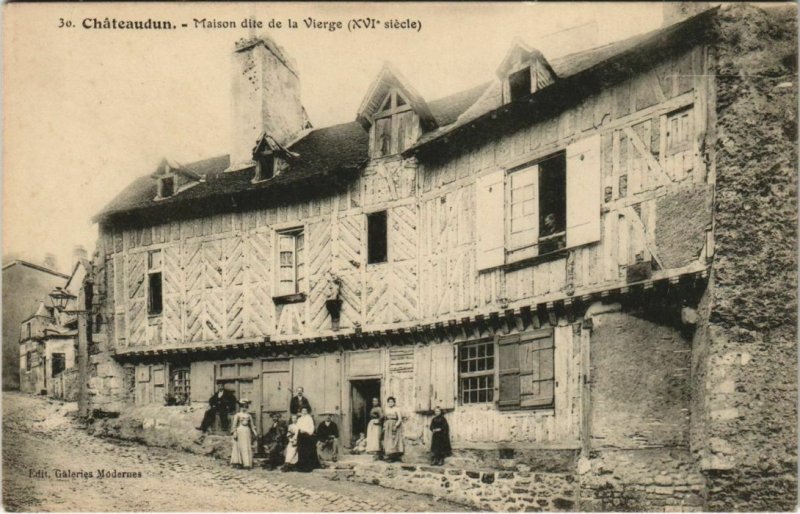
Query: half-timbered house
x,y
527,254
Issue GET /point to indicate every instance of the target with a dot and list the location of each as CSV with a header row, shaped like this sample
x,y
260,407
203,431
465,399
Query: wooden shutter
x,y
537,370
202,380
442,368
523,205
489,193
583,191
422,378
508,371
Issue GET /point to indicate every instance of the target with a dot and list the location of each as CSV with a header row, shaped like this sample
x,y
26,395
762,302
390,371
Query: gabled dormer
x,y
271,158
524,71
394,114
172,178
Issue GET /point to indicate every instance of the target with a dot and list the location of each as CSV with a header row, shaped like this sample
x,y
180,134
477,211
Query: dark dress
x,y
306,445
275,442
440,440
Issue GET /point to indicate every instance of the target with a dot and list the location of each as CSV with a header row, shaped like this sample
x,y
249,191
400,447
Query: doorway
x,y
361,394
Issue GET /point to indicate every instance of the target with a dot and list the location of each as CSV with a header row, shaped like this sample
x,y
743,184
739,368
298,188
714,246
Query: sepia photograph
x,y
399,257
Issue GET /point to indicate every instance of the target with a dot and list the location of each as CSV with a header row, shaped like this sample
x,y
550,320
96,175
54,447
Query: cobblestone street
x,y
40,441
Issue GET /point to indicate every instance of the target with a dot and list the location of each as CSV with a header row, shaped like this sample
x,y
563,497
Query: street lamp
x,y
60,296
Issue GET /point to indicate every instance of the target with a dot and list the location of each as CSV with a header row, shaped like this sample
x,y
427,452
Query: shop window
x,y
376,237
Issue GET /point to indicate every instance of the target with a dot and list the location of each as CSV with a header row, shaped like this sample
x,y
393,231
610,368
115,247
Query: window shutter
x,y
490,219
508,371
422,378
442,376
583,191
537,370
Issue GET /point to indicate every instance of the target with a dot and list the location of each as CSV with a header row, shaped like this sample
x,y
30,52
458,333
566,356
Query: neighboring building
x,y
536,255
25,286
49,341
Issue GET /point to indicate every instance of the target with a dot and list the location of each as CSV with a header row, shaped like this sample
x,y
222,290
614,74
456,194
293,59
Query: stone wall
x,y
489,490
744,411
162,426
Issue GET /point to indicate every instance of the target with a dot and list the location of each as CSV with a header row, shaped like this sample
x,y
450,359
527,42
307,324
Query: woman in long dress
x,y
306,445
243,433
291,446
374,429
393,446
440,438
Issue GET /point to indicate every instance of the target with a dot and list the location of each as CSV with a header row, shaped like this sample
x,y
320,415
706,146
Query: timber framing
x,y
688,284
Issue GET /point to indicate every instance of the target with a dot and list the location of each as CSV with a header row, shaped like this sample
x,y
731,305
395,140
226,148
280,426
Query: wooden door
x,y
275,391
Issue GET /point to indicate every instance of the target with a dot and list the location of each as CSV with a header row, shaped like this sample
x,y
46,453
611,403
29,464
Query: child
x,y
361,445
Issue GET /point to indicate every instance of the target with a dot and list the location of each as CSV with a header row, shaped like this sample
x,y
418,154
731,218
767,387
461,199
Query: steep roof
x,y
326,155
596,65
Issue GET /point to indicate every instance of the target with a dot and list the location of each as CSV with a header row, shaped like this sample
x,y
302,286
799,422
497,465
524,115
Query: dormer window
x,y
265,166
166,186
519,84
393,127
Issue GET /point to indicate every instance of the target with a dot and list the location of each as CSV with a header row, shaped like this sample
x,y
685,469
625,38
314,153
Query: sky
x,y
86,111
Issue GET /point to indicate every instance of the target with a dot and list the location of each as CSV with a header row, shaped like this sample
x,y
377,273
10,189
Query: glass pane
x,y
287,259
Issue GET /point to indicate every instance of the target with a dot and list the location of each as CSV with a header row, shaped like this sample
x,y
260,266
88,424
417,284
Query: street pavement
x,y
51,464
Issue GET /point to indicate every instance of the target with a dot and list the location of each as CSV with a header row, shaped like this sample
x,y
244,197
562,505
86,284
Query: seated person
x,y
275,441
360,445
328,440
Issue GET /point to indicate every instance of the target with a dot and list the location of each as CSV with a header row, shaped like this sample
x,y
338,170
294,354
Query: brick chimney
x,y
674,12
265,97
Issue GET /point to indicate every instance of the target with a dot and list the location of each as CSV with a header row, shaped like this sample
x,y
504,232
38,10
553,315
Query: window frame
x,y
152,272
520,73
368,238
300,279
525,250
392,115
186,387
261,159
161,186
28,358
492,373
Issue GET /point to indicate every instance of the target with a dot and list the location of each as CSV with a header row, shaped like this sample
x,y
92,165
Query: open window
x,y
537,208
519,84
377,247
291,265
154,292
166,186
546,205
265,166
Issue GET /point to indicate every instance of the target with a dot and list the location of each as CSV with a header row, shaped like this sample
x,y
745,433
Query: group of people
x,y
300,446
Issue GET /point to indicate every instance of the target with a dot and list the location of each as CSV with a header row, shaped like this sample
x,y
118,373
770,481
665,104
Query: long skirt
x,y
242,452
440,444
291,454
374,437
392,438
306,452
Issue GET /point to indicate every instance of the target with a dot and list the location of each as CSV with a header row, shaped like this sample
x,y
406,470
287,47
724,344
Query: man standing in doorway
x,y
223,403
298,402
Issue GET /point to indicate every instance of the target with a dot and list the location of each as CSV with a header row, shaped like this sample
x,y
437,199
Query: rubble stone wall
x,y
744,412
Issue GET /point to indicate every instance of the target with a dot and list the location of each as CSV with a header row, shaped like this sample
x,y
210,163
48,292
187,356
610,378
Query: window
x,y
679,131
180,386
393,128
291,262
537,205
237,377
154,303
526,370
28,356
376,237
28,328
58,363
476,372
519,84
166,187
265,166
